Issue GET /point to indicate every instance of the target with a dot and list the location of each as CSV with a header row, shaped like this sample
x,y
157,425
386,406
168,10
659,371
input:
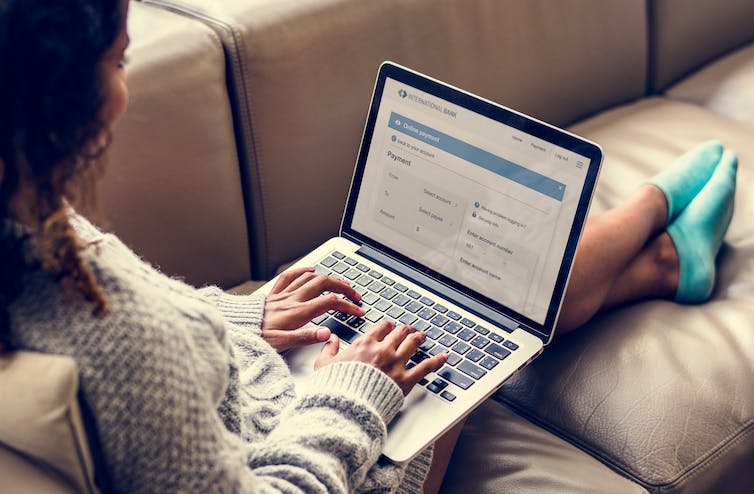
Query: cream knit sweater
x,y
187,396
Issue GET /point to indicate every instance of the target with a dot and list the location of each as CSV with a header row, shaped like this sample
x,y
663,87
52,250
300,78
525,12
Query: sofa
x,y
236,154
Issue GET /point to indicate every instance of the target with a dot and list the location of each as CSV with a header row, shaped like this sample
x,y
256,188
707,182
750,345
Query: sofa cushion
x,y
42,437
725,86
172,189
659,391
686,35
499,452
303,72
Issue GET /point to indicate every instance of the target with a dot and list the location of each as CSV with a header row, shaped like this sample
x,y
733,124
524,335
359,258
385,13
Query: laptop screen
x,y
482,198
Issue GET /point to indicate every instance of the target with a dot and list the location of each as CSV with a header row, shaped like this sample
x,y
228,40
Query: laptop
x,y
462,220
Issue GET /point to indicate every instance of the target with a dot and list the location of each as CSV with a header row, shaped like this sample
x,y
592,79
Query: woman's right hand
x,y
388,348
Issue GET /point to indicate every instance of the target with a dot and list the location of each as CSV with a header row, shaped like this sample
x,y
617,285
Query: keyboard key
x,y
352,274
319,269
426,313
454,315
453,327
382,305
510,345
369,298
422,325
413,294
481,330
338,255
407,318
318,320
468,322
387,281
419,357
401,300
376,286
411,365
496,337
388,293
461,347
438,349
342,316
328,262
414,306
356,322
423,381
373,316
488,362
427,301
426,345
454,358
448,340
398,286
434,387
375,274
441,308
472,370
465,334
344,332
448,395
363,268
350,261
439,320
433,332
497,351
474,355
340,268
395,312
440,383
363,280
480,341
455,377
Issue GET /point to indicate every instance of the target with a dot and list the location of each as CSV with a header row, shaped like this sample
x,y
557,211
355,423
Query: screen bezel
x,y
507,117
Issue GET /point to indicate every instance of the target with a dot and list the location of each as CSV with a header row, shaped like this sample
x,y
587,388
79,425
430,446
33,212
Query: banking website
x,y
478,201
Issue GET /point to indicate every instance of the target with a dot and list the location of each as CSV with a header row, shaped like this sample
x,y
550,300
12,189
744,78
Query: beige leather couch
x,y
237,151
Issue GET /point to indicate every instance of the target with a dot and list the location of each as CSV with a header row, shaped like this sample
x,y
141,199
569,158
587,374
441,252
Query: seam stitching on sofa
x,y
700,465
236,58
82,457
625,470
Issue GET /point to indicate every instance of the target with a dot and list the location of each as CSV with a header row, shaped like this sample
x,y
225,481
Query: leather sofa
x,y
236,155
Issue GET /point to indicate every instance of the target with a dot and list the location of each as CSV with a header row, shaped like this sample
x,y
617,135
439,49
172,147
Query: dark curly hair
x,y
51,94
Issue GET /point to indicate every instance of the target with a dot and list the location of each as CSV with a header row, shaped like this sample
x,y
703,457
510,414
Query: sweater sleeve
x,y
161,432
244,311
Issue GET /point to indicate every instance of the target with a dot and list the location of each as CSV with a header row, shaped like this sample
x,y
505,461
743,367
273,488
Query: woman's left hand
x,y
296,299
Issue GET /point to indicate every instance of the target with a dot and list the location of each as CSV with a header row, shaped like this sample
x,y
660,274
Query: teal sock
x,y
698,231
683,180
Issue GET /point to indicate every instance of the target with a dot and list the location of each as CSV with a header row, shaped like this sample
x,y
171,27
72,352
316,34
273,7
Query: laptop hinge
x,y
440,289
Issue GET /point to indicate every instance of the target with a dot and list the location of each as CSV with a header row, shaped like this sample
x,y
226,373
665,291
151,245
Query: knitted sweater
x,y
188,397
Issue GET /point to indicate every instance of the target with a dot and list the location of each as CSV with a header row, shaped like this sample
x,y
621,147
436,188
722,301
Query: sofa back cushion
x,y
685,35
172,187
43,445
303,72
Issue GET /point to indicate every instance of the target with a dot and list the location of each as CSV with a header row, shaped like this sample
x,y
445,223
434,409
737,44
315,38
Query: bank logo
x,y
402,93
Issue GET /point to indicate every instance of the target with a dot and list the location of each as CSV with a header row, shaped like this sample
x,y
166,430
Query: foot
x,y
683,180
698,232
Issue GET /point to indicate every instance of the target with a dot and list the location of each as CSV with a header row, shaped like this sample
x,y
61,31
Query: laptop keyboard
x,y
472,348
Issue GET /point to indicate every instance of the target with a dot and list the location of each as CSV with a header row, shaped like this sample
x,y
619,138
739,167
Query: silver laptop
x,y
463,220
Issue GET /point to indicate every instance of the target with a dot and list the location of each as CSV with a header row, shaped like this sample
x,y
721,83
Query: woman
x,y
186,388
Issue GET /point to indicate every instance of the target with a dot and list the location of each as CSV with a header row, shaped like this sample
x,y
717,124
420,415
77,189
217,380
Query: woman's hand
x,y
388,348
296,299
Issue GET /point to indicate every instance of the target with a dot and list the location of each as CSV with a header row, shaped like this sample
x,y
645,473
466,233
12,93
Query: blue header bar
x,y
480,157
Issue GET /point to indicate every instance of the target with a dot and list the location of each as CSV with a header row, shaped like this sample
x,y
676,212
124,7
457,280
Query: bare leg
x,y
441,457
621,259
